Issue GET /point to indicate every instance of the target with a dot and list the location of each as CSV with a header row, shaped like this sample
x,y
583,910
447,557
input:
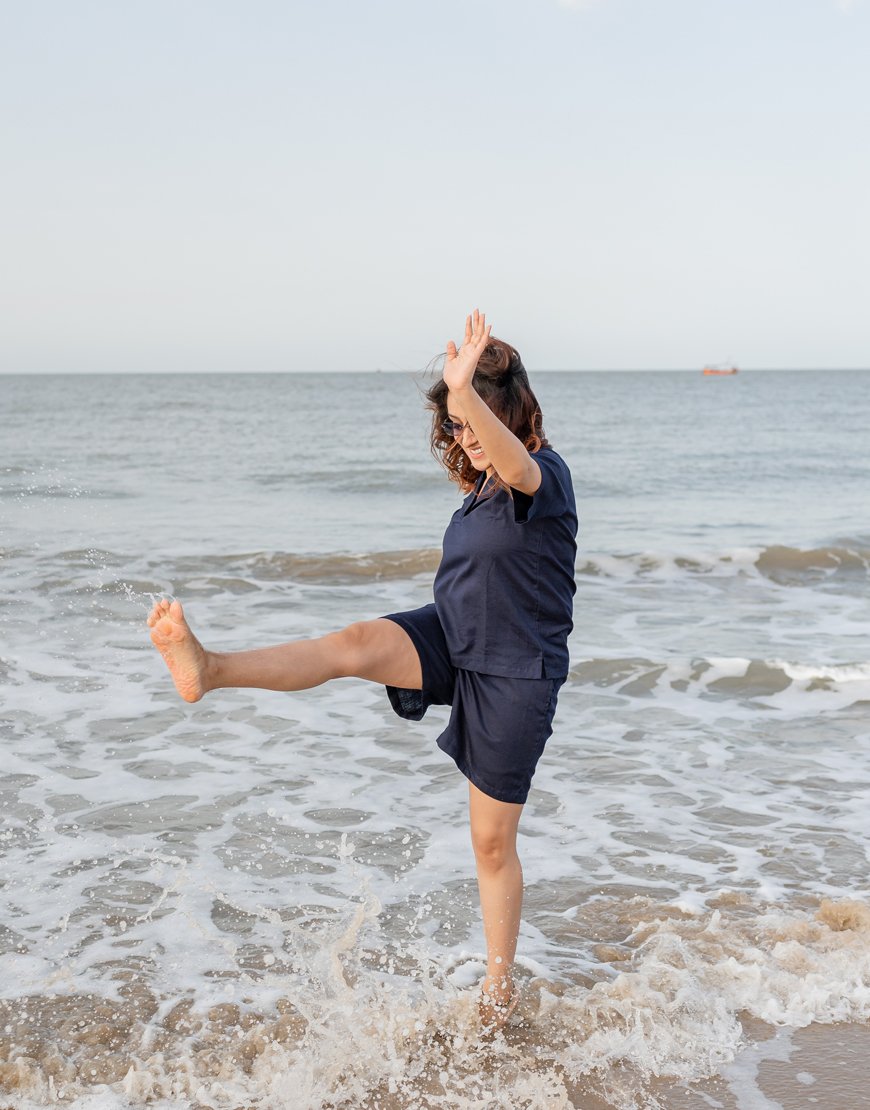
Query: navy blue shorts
x,y
498,726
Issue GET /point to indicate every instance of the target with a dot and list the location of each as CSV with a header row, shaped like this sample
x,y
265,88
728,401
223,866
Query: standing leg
x,y
500,882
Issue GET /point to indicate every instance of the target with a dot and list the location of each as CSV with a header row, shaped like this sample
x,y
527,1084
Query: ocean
x,y
269,900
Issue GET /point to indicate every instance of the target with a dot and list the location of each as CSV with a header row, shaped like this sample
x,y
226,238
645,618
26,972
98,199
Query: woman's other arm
x,y
509,457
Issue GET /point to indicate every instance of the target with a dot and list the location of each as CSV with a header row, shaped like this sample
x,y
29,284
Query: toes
x,y
167,620
158,610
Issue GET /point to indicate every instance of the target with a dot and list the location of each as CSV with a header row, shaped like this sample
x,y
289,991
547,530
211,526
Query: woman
x,y
493,644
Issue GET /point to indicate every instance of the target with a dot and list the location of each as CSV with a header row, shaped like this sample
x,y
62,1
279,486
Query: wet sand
x,y
75,1049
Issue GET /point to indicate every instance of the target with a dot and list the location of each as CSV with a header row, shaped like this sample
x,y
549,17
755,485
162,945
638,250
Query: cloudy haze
x,y
326,186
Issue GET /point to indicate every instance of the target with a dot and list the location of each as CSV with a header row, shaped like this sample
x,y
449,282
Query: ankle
x,y
497,984
210,675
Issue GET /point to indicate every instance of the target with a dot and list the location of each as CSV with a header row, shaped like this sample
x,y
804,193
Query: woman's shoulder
x,y
549,456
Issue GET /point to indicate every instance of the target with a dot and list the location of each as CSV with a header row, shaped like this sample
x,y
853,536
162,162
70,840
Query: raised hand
x,y
460,364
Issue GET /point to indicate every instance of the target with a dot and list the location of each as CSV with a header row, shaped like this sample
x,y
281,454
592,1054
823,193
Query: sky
x,y
333,184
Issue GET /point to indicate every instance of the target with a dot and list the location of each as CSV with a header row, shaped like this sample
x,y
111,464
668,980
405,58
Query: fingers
x,y
476,335
476,331
481,333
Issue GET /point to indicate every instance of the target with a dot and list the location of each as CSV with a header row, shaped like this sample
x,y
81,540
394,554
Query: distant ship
x,y
723,368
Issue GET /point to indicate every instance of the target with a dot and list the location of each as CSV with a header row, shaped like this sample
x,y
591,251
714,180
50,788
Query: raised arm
x,y
509,457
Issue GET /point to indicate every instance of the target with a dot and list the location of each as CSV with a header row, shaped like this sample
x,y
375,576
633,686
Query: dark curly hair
x,y
502,382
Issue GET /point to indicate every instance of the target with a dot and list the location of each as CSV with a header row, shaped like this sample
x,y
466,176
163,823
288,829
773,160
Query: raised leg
x,y
378,650
500,883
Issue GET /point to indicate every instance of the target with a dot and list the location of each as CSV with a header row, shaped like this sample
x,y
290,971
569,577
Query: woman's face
x,y
467,441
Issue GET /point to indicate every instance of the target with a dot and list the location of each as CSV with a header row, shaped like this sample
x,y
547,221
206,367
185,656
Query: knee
x,y
348,647
492,848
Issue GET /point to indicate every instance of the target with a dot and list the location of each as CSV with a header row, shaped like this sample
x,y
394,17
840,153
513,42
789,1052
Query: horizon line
x,y
424,370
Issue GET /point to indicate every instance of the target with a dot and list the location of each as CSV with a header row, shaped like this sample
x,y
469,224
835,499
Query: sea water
x,y
269,899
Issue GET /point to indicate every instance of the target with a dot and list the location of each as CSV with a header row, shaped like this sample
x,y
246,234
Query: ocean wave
x,y
43,492
330,568
786,566
367,481
844,563
779,564
724,677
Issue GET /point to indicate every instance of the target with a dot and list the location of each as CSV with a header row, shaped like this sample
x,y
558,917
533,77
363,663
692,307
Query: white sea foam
x,y
673,1010
697,812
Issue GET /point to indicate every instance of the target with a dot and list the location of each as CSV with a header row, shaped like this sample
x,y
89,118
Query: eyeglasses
x,y
451,428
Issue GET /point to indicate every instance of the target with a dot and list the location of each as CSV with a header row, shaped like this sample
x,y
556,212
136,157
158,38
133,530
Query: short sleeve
x,y
554,495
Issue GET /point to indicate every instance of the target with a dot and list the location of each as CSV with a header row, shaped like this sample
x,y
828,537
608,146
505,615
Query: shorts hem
x,y
437,683
484,788
410,705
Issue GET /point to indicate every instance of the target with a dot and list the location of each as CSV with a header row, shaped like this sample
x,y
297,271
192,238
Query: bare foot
x,y
497,1002
185,656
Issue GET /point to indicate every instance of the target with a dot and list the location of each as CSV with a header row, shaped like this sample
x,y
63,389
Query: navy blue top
x,y
505,587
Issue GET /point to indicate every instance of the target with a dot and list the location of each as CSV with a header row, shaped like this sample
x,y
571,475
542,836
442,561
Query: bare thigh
x,y
379,650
